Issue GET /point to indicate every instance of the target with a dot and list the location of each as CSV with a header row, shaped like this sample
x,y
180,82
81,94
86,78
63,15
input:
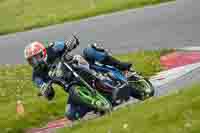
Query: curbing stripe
x,y
192,48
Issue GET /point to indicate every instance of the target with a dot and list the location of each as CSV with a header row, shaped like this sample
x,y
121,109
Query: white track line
x,y
172,74
193,48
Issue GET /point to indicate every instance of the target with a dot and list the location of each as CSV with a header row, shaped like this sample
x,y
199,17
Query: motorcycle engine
x,y
81,61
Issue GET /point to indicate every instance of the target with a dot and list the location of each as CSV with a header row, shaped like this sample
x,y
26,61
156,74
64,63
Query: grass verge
x,y
176,113
20,15
15,84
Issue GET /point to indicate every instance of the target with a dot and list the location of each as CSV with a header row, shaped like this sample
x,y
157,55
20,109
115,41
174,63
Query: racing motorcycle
x,y
62,72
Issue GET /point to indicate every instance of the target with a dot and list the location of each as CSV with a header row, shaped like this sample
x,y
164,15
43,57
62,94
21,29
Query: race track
x,y
169,25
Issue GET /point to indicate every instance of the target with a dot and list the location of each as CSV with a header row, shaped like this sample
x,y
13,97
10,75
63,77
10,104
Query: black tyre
x,y
81,95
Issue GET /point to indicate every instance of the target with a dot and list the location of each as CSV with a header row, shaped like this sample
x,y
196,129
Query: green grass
x,y
20,15
176,113
15,84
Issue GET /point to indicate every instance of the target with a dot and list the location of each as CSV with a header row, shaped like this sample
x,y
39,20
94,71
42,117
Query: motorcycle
x,y
62,72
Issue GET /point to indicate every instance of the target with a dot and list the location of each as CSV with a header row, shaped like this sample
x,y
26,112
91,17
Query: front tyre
x,y
81,95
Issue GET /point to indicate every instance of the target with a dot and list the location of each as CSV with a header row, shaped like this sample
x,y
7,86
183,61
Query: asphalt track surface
x,y
169,25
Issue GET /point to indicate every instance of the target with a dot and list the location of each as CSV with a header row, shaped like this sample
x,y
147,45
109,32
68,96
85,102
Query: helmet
x,y
36,54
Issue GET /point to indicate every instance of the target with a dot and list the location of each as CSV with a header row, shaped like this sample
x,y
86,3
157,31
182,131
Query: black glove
x,y
50,93
71,44
47,91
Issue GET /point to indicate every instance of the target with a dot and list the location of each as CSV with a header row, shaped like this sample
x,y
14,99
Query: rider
x,y
96,53
42,55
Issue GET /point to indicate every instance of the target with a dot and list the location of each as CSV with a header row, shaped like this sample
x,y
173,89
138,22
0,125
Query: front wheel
x,y
142,88
81,95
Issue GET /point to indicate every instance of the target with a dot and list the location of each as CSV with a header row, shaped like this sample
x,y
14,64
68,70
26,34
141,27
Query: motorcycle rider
x,y
42,55
96,53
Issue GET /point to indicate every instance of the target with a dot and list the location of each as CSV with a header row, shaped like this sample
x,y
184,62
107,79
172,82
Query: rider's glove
x,y
71,44
47,91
